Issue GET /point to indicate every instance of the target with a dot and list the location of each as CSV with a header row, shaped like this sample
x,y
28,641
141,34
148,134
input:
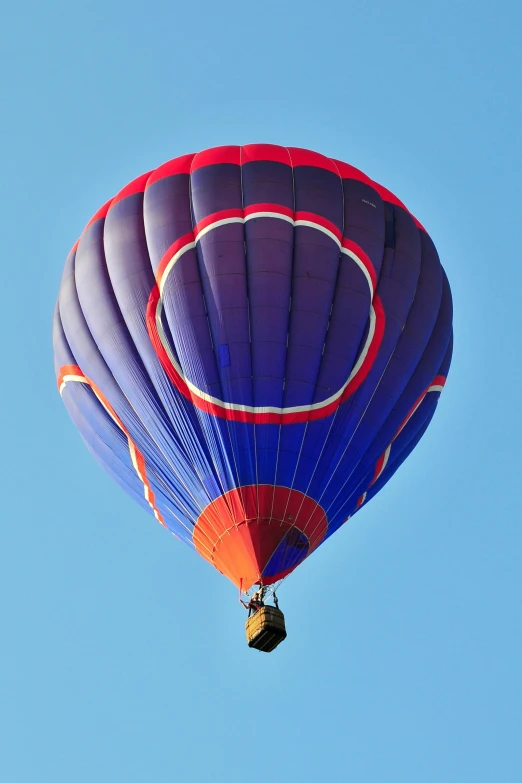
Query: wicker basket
x,y
265,629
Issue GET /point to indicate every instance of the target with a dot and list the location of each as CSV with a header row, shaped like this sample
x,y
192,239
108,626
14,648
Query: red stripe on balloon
x,y
266,152
349,244
439,380
167,257
101,213
350,172
174,376
215,156
75,374
379,467
175,166
321,221
136,186
369,359
267,207
225,214
302,157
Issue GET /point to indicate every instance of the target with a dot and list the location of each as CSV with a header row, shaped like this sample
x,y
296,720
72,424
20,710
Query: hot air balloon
x,y
251,340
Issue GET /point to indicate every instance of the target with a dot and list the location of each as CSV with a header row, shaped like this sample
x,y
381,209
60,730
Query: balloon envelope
x,y
251,340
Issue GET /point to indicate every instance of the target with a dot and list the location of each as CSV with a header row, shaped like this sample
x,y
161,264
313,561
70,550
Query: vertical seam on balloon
x,y
352,436
421,397
72,363
362,482
187,459
332,515
432,387
181,403
179,442
123,326
427,342
137,459
324,345
332,472
215,436
180,446
441,377
336,410
339,403
213,427
174,400
211,468
286,364
247,283
87,327
357,393
276,468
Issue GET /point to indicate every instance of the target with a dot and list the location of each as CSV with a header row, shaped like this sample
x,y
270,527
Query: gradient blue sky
x,y
122,656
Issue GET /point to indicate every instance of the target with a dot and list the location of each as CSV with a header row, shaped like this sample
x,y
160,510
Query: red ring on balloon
x,y
251,414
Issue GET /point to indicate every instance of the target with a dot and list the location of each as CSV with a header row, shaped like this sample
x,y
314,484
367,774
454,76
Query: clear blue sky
x,y
122,656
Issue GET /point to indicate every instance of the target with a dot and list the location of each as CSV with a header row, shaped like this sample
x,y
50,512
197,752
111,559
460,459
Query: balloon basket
x,y
265,629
